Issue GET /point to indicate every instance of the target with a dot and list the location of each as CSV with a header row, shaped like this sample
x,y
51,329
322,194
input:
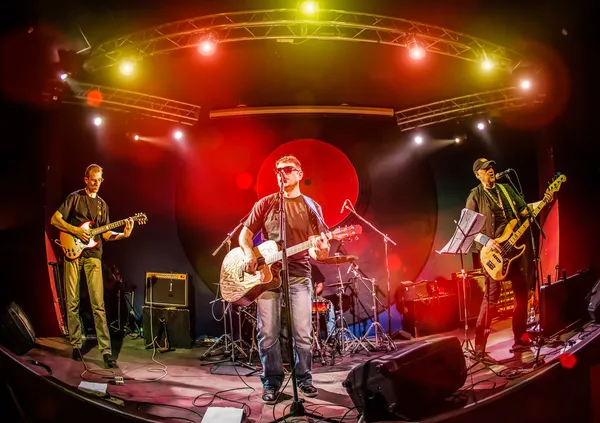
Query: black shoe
x,y
76,355
269,396
109,362
308,390
522,345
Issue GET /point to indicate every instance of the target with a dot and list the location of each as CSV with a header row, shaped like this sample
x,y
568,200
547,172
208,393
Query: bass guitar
x,y
241,288
72,246
498,264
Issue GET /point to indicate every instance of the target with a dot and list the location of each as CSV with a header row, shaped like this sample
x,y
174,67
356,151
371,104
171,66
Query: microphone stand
x,y
536,258
386,239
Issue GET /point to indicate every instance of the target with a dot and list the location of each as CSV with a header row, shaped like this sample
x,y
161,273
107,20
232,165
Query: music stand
x,y
467,228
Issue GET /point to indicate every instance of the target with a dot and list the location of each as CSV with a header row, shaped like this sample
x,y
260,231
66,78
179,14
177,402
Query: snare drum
x,y
320,305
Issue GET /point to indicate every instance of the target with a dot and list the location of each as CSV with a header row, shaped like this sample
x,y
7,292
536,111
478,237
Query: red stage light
x,y
208,44
567,360
244,180
94,98
416,51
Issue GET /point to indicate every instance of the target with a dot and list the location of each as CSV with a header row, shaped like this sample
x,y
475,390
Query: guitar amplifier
x,y
168,289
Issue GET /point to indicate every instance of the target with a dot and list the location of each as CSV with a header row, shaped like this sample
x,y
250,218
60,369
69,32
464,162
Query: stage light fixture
x,y
64,76
457,140
97,121
418,139
309,7
480,126
416,51
208,44
126,67
487,65
525,84
178,135
136,137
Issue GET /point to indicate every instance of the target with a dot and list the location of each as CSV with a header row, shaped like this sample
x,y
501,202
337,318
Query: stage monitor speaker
x,y
179,326
410,382
564,302
168,289
16,333
594,304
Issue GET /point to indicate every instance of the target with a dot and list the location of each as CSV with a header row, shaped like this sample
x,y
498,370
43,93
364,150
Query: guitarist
x,y
81,206
500,204
303,220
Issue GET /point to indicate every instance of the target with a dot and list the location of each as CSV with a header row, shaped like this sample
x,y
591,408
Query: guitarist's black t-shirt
x,y
79,207
300,225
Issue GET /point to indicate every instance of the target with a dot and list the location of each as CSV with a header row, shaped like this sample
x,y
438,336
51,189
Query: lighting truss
x,y
503,99
139,103
288,25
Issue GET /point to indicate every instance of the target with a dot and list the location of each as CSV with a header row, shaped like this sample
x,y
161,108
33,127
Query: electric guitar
x,y
241,288
72,246
497,264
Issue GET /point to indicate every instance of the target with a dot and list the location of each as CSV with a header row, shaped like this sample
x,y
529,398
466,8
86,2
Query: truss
x,y
142,104
460,107
288,26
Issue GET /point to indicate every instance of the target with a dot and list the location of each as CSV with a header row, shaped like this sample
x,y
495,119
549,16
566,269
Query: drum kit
x,y
332,335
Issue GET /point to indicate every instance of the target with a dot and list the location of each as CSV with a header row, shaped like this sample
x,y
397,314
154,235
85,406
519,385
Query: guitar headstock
x,y
140,218
556,183
345,232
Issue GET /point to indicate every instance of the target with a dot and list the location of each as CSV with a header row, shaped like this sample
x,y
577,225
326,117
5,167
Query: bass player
x,y
500,204
81,206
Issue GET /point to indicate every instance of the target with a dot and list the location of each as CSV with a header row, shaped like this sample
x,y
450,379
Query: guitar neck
x,y
291,251
519,232
101,229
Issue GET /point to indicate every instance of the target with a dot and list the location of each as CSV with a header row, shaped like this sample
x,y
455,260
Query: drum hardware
x,y
317,345
344,340
253,346
338,259
382,341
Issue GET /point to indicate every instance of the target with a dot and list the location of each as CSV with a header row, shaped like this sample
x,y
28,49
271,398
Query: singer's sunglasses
x,y
286,169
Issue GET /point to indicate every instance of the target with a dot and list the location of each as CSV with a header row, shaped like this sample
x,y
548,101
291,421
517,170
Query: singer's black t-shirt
x,y
301,223
79,207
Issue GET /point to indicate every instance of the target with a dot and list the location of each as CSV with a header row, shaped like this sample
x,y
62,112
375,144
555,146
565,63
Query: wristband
x,y
484,239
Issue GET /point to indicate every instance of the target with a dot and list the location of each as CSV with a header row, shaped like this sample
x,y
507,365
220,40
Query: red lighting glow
x,y
208,45
415,50
567,360
94,98
244,180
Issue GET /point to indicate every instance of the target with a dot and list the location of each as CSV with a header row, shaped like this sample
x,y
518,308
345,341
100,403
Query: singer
x,y
304,219
500,204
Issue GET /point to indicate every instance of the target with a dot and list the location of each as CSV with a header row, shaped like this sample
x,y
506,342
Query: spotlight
x,y
457,140
126,67
416,51
97,121
178,135
208,44
136,137
419,139
481,126
487,65
525,84
309,7
64,76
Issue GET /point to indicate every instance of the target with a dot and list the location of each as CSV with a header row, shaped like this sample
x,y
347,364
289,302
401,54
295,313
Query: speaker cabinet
x,y
427,316
409,382
168,289
594,304
16,333
179,326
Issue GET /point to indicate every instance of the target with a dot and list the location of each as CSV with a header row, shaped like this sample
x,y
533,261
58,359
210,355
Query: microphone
x,y
500,175
343,206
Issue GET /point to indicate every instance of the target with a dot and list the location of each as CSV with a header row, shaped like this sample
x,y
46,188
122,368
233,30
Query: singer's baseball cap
x,y
482,164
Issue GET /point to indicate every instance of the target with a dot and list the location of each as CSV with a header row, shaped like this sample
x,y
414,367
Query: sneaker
x,y
76,354
308,389
269,396
109,362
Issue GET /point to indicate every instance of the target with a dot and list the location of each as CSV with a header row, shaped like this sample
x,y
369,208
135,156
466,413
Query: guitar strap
x,y
311,205
510,200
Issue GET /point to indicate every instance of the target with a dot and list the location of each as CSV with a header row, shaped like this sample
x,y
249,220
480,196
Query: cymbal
x,y
338,259
338,284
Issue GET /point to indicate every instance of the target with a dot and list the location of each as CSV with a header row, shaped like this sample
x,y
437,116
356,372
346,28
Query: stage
x,y
185,388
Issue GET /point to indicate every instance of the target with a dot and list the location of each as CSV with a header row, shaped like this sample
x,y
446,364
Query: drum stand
x,y
382,341
239,343
225,340
320,348
253,347
341,333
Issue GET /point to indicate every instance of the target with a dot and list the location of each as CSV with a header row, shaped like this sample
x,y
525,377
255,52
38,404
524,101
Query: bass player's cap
x,y
482,164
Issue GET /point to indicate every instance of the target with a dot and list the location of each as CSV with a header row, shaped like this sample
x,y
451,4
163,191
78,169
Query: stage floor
x,y
177,378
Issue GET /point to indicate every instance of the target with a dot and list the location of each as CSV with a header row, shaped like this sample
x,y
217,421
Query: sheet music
x,y
469,225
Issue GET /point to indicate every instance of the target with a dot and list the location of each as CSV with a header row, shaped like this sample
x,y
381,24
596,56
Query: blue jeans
x,y
269,329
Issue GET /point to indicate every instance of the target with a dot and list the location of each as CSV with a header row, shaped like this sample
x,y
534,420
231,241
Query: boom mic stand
x,y
297,406
386,239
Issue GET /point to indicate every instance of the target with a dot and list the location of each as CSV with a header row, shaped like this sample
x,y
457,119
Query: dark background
x,y
195,192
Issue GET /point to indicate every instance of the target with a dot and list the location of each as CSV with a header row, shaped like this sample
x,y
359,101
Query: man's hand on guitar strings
x,y
493,245
82,234
250,264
